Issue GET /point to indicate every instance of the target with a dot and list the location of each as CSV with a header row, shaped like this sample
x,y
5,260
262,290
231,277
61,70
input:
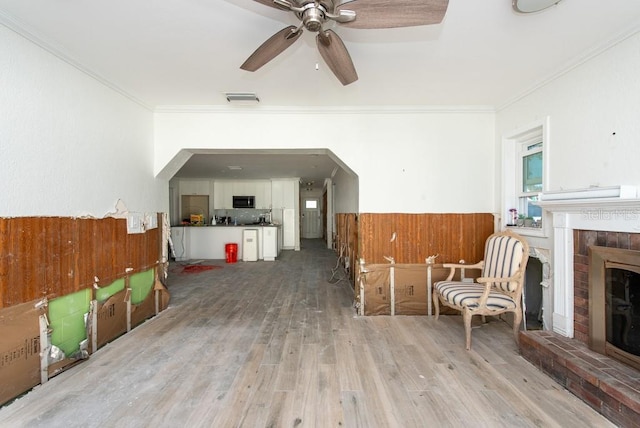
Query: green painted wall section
x,y
66,314
141,284
66,319
105,292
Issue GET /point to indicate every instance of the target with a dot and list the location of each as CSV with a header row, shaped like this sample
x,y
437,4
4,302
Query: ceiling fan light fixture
x,y
532,6
245,97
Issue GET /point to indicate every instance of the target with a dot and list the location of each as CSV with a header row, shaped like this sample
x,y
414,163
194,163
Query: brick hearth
x,y
610,387
607,385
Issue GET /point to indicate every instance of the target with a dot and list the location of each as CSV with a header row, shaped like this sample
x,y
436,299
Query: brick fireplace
x,y
606,384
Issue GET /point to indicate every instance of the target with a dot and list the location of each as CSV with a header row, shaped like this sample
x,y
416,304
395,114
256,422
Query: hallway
x,y
273,344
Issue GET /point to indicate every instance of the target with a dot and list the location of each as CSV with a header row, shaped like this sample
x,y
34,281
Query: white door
x,y
311,218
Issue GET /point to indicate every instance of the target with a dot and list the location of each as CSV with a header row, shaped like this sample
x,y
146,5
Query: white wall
x,y
586,106
345,195
406,160
69,145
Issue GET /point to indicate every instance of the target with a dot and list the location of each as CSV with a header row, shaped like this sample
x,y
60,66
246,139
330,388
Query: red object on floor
x,y
198,268
231,251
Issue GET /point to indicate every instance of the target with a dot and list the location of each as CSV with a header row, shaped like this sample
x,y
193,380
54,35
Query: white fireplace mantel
x,y
589,211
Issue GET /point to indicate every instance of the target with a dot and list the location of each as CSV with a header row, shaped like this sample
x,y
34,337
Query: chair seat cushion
x,y
465,294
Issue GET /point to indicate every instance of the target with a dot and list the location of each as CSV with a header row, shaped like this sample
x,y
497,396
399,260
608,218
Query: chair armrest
x,y
454,266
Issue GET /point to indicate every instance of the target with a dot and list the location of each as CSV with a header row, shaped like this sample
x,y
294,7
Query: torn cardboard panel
x,y
376,281
151,305
20,349
410,289
109,319
409,284
163,296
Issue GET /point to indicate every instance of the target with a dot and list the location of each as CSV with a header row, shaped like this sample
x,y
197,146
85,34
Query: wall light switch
x,y
150,221
135,223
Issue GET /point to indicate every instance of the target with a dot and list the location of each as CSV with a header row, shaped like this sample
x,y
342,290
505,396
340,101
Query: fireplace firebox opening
x,y
533,302
614,303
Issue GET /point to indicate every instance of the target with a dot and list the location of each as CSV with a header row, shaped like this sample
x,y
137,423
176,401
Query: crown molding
x,y
256,109
23,30
573,64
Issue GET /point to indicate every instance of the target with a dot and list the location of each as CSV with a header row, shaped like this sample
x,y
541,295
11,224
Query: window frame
x,y
527,147
512,172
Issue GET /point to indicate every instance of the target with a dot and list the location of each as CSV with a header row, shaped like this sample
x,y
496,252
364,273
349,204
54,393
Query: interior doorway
x,y
311,218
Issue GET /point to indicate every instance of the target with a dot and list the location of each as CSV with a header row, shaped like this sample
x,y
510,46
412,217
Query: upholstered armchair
x,y
499,288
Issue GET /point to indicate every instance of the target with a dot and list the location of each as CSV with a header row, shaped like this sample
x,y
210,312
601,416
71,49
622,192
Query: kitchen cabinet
x,y
263,194
195,187
223,195
284,193
270,245
208,242
284,198
242,188
289,229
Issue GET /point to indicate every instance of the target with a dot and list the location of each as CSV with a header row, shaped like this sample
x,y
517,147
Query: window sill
x,y
528,231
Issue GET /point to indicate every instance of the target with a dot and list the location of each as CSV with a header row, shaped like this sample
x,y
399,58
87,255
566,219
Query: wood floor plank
x,y
274,344
329,409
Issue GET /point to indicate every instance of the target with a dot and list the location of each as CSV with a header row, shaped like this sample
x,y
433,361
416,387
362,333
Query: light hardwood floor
x,y
273,344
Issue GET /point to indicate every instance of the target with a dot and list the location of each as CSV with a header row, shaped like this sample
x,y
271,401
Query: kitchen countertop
x,y
209,242
229,225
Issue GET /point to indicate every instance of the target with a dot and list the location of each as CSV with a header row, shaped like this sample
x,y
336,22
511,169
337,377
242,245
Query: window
x,y
525,156
530,176
311,204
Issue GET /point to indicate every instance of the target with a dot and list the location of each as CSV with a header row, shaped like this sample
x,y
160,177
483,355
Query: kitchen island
x,y
208,242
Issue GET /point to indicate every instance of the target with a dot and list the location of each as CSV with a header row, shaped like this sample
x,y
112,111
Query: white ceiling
x,y
188,52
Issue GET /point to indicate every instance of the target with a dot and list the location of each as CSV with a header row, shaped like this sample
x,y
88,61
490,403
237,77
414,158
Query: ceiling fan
x,y
362,14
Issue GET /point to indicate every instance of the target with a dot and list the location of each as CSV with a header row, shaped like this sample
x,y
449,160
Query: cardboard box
x,y
19,349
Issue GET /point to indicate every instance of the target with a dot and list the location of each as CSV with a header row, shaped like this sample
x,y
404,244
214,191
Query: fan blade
x,y
335,54
271,3
395,13
273,47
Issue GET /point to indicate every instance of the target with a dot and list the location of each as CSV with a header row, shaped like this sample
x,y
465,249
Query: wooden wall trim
x,y
54,256
454,237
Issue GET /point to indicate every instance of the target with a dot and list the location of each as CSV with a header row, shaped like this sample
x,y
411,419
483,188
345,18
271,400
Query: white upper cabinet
x,y
195,187
283,193
222,195
263,194
277,191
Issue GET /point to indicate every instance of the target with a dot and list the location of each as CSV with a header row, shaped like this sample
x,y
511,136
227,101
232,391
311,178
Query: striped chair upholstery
x,y
506,256
464,294
502,258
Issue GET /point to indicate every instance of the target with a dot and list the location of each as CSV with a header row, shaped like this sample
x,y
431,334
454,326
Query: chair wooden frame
x,y
487,286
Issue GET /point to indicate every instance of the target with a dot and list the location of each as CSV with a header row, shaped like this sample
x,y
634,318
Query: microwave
x,y
244,202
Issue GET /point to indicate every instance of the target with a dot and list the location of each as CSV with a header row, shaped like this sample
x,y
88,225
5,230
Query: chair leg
x,y
517,319
436,303
466,317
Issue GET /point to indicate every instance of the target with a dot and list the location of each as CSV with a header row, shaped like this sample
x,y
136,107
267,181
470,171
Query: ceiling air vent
x,y
242,97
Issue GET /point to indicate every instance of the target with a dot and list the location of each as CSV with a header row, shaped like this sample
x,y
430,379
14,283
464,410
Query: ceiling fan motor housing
x,y
313,16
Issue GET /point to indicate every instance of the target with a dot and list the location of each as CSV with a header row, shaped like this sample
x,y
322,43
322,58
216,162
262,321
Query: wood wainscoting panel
x,y
411,238
55,256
